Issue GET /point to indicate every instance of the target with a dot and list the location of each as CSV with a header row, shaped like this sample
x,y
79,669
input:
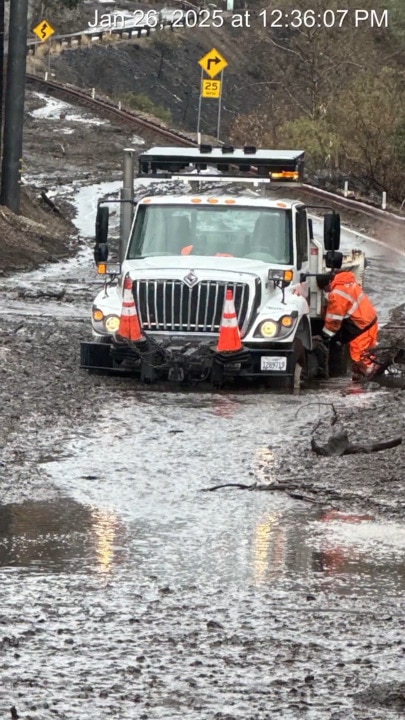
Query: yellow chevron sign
x,y
43,30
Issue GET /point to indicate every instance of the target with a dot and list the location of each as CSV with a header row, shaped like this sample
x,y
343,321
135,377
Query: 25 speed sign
x,y
211,88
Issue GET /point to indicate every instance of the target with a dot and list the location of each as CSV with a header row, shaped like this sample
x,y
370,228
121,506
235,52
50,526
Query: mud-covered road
x,y
127,592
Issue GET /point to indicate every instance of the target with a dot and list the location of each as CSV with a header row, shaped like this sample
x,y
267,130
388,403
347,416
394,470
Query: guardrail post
x,y
93,93
384,200
346,188
46,77
119,105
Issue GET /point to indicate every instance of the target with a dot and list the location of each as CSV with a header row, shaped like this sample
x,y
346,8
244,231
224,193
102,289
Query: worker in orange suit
x,y
350,318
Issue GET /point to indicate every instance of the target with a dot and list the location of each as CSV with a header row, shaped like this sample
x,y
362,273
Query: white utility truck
x,y
182,252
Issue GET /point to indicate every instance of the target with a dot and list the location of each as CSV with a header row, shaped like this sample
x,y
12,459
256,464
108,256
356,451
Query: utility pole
x,y
2,10
14,106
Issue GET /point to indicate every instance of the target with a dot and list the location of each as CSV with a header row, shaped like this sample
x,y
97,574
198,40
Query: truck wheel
x,y
299,370
338,360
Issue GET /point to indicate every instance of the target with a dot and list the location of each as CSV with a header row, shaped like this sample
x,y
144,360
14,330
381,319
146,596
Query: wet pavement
x,y
127,592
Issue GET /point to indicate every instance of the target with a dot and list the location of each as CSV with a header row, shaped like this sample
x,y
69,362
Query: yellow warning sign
x,y
44,30
213,63
211,88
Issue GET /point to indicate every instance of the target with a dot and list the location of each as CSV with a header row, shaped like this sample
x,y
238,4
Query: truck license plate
x,y
273,363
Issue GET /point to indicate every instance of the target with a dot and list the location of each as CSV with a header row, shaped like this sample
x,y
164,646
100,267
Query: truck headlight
x,y
268,329
277,328
112,323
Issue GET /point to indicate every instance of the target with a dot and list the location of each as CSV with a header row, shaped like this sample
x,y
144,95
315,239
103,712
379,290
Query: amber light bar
x,y
248,161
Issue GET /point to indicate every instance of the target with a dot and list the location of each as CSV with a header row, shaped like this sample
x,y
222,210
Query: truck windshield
x,y
231,231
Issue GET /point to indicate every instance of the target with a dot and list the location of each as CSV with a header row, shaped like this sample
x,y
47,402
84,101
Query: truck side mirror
x,y
333,259
331,231
311,229
100,253
101,246
102,218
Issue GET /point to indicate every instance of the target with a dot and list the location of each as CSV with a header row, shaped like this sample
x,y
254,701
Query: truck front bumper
x,y
188,360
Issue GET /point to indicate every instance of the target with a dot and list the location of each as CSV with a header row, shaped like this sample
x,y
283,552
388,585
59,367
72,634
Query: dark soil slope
x,y
165,68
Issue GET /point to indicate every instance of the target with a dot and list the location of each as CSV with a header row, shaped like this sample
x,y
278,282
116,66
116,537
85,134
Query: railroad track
x,y
106,108
151,130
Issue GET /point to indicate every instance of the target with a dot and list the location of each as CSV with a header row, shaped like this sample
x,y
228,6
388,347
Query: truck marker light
x,y
212,200
288,275
102,268
281,204
98,315
269,329
112,323
287,321
195,200
146,200
230,202
284,175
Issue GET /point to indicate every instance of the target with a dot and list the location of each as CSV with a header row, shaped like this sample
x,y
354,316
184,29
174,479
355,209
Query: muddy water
x,y
137,595
130,593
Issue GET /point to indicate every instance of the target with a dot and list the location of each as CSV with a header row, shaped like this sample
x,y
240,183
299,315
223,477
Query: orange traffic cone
x,y
229,336
129,328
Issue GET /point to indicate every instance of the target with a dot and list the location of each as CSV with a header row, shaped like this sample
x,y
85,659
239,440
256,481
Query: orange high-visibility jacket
x,y
347,302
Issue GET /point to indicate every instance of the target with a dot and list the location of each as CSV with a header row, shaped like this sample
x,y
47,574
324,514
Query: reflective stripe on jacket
x,y
347,301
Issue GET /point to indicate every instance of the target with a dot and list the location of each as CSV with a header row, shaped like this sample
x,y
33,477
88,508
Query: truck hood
x,y
178,266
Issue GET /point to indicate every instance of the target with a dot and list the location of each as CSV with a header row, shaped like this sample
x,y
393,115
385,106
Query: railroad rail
x,y
107,108
145,126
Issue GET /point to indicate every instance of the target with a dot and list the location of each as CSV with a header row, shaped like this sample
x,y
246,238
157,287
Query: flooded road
x,y
134,594
128,592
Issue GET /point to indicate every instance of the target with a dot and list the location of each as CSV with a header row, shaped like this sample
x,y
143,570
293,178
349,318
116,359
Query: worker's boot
x,y
356,373
362,370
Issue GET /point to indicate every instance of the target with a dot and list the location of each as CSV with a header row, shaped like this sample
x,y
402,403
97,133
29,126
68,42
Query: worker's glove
x,y
326,339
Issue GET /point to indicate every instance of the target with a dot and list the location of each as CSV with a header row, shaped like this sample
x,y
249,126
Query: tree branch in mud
x,y
47,200
289,489
334,418
339,444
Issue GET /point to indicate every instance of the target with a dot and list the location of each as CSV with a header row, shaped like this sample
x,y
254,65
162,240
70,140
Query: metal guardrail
x,y
128,30
357,205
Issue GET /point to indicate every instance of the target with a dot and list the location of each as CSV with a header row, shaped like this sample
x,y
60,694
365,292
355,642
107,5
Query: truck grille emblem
x,y
190,279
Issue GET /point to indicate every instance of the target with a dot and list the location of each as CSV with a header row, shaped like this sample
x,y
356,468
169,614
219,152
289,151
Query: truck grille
x,y
171,305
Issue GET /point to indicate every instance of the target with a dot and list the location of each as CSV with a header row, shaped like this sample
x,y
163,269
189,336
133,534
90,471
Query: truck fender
x,y
304,333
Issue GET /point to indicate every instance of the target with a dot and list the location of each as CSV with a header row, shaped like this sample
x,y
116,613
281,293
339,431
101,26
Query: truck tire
x,y
299,370
339,358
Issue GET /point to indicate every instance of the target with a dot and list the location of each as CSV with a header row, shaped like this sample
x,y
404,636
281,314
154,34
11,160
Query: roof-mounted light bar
x,y
275,165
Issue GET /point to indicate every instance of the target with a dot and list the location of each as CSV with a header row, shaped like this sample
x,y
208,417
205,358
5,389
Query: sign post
x,y
44,31
212,64
219,106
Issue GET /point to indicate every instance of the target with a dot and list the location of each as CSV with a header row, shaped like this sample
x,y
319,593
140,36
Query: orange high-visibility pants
x,y
365,341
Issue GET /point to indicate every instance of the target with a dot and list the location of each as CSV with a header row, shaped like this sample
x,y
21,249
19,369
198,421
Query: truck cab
x,y
185,251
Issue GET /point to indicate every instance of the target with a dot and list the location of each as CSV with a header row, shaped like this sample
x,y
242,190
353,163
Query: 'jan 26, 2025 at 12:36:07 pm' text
x,y
268,18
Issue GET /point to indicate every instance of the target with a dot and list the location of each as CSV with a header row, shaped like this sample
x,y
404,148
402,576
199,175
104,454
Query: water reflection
x,y
269,546
339,547
105,527
264,465
59,534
